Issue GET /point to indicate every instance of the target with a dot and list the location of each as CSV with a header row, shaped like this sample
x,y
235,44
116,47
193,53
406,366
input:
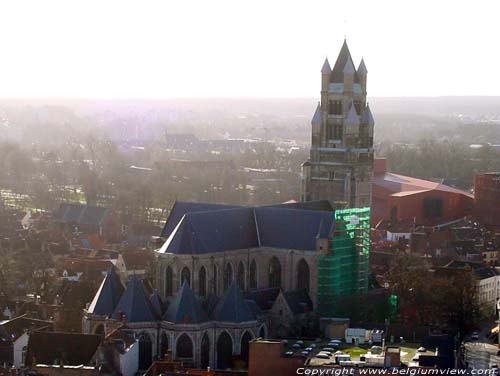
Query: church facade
x,y
340,165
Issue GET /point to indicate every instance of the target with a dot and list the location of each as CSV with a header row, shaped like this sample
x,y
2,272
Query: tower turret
x,y
362,72
348,72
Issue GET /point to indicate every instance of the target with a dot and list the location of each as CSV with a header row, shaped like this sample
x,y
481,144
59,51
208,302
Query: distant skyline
x,y
231,48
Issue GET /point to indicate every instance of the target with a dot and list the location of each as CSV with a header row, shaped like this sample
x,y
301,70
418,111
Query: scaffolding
x,y
343,268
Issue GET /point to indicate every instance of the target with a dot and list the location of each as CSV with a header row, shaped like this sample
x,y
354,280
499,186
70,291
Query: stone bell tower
x,y
340,165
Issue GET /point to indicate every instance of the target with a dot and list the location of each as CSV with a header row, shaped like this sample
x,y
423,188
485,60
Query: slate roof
x,y
362,67
108,295
185,308
316,119
326,69
134,303
233,307
367,117
181,208
480,270
264,298
298,301
337,75
72,349
11,330
221,230
81,214
157,303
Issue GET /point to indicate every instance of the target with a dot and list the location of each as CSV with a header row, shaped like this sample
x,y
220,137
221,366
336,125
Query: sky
x,y
236,48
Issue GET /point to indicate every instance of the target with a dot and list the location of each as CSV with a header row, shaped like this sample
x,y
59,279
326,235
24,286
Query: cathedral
x,y
340,165
227,274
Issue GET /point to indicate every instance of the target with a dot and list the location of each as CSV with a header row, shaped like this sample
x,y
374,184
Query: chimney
x,y
379,166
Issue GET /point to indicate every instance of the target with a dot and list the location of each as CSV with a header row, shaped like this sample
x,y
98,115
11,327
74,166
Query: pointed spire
x,y
326,67
349,68
367,117
233,307
362,67
352,116
337,75
134,303
316,119
185,308
108,295
156,303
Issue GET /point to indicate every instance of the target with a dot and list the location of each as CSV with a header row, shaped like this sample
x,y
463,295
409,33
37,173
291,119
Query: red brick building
x,y
487,199
398,197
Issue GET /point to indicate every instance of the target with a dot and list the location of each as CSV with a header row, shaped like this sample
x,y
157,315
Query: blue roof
x,y
291,229
156,303
180,208
108,295
81,214
246,227
185,308
134,303
233,307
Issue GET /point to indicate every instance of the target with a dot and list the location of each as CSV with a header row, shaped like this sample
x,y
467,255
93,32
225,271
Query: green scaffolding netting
x,y
343,269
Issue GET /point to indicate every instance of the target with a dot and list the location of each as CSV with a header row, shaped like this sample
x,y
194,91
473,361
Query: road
x,y
481,354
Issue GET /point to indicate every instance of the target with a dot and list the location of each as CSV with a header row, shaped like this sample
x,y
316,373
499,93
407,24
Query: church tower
x,y
340,165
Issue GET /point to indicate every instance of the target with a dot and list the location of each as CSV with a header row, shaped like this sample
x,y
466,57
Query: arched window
x,y
163,345
228,276
245,347
169,282
202,280
99,330
205,351
274,272
215,280
184,347
145,351
241,276
303,275
224,351
253,275
185,276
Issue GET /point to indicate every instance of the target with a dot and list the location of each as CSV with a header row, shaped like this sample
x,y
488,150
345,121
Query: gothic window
x,y
253,275
228,276
241,276
205,351
214,279
358,107
163,345
338,131
184,347
202,280
274,272
185,276
169,284
224,351
245,345
303,275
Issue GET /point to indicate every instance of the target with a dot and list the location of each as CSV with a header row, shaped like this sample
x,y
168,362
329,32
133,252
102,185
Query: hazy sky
x,y
272,48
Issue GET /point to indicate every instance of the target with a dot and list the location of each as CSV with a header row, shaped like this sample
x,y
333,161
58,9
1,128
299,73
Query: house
x,y
68,349
14,336
487,280
357,336
134,262
291,314
88,219
119,353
